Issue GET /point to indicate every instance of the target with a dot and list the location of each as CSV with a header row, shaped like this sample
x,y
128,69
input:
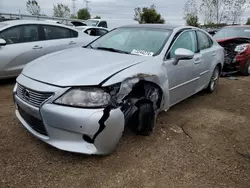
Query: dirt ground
x,y
202,142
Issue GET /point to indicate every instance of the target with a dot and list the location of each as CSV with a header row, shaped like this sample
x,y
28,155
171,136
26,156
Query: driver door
x,y
182,78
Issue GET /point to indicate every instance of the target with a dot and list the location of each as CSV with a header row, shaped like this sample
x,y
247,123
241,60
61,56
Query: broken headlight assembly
x,y
97,97
84,97
125,88
241,48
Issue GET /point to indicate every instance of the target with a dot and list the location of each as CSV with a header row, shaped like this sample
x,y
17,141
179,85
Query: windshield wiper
x,y
88,46
112,50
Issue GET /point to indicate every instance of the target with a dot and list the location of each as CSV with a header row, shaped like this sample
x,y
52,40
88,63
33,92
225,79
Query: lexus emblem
x,y
26,95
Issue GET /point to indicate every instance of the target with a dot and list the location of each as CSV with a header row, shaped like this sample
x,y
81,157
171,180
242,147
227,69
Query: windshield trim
x,y
155,54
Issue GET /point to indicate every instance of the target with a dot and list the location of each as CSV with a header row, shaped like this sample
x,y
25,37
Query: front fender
x,y
152,71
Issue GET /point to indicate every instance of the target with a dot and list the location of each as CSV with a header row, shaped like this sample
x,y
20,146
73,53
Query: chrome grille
x,y
34,98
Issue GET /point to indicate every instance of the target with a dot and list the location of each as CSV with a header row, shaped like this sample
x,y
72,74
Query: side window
x,y
55,32
102,32
91,32
103,24
30,33
203,40
87,31
186,40
12,35
74,34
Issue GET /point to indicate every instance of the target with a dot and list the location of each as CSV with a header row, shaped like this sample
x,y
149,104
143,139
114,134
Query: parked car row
x,y
80,99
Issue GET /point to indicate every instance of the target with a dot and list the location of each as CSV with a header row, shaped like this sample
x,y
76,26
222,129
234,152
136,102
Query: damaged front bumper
x,y
236,64
87,131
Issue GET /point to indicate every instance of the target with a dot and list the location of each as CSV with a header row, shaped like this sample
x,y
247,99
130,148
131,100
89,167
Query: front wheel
x,y
146,119
214,80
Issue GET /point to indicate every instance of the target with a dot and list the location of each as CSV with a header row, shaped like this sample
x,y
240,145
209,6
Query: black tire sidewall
x,y
146,119
209,85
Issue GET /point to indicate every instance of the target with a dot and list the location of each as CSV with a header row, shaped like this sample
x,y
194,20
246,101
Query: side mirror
x,y
2,42
183,54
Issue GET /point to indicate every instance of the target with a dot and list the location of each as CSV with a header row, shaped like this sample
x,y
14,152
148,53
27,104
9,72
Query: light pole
x,y
217,9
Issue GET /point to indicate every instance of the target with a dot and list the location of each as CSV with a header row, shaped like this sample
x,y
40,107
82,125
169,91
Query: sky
x,y
171,11
123,10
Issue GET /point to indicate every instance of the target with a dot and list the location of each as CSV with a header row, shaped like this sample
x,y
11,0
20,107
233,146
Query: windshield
x,y
138,41
231,32
91,22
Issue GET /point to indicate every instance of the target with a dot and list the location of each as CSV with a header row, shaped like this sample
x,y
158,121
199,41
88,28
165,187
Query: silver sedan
x,y
81,99
22,41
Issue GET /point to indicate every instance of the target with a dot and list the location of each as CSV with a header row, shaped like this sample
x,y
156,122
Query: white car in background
x,y
92,30
91,22
22,41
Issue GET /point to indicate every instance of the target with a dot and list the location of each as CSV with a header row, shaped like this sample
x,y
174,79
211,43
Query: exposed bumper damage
x,y
237,55
94,131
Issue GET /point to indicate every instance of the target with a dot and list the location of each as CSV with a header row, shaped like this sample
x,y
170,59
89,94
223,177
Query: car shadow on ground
x,y
6,82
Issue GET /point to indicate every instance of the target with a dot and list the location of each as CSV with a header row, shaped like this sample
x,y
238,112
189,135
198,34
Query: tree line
x,y
59,10
214,12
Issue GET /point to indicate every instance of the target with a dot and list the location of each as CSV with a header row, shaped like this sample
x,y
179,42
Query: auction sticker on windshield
x,y
142,52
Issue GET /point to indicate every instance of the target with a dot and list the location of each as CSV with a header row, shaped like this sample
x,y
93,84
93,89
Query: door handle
x,y
72,42
197,61
36,47
214,53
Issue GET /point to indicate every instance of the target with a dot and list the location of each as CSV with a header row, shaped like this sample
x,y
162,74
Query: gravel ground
x,y
202,142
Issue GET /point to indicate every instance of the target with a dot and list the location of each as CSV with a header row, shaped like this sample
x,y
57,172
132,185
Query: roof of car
x,y
238,26
17,22
158,26
87,27
95,19
21,22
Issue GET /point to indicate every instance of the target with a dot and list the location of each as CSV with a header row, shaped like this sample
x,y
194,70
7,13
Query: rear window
x,y
231,32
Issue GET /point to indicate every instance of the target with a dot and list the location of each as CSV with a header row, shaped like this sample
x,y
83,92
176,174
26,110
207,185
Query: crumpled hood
x,y
79,66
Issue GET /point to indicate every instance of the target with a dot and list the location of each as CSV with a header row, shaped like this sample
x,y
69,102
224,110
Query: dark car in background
x,y
236,42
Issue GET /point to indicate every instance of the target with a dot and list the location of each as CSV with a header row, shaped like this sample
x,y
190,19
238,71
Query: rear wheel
x,y
246,70
214,80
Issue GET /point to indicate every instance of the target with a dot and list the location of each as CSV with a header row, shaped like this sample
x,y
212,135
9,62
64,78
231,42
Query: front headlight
x,y
85,97
241,48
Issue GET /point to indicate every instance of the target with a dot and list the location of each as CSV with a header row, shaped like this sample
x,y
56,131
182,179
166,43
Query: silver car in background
x,y
81,99
22,41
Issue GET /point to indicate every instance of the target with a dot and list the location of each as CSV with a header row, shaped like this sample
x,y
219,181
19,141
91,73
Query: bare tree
x,y
33,7
61,10
191,13
219,11
236,10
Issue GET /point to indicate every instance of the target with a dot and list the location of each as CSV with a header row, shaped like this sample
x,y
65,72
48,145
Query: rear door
x,y
58,38
208,54
23,45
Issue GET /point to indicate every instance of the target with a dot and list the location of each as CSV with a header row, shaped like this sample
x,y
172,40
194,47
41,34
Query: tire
x,y
246,70
146,119
214,80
